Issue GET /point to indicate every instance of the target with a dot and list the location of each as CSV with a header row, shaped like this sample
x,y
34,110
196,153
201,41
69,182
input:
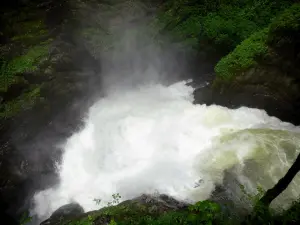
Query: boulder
x,y
68,210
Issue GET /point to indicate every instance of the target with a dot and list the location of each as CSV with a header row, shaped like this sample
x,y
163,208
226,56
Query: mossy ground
x,y
286,23
28,62
244,55
279,33
242,31
224,24
201,213
25,49
127,213
23,102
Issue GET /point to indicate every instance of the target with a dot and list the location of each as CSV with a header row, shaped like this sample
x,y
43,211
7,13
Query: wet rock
x,y
144,205
69,209
59,91
269,82
264,87
161,200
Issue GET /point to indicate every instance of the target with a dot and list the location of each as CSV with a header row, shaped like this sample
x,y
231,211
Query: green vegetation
x,y
24,51
25,218
8,77
89,220
284,29
23,102
205,212
222,24
288,20
291,216
280,33
135,212
244,55
30,31
241,32
28,62
10,74
25,26
237,20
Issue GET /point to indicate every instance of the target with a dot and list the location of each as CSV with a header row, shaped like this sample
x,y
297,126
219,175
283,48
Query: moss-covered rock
x,y
222,24
280,39
27,63
278,43
25,50
284,35
165,210
146,209
23,102
43,71
264,68
244,55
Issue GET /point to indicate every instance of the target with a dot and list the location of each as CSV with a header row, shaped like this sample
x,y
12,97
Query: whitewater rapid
x,y
154,139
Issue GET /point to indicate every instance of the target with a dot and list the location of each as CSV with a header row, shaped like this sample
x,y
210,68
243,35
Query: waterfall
x,y
154,139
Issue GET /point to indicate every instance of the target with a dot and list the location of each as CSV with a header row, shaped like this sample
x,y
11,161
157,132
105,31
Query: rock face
x,y
144,205
263,71
69,210
50,65
160,202
47,80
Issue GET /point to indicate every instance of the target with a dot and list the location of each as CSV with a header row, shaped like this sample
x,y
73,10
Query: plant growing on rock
x,y
244,55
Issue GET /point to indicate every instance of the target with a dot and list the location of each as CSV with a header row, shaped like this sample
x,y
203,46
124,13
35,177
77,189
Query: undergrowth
x,y
201,213
222,24
282,32
244,55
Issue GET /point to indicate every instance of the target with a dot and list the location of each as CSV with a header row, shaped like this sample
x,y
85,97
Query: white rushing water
x,y
154,139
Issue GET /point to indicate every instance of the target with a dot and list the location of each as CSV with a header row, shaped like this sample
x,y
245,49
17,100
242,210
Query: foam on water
x,y
153,138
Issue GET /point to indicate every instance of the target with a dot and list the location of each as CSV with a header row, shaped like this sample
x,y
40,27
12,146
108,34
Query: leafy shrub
x,y
201,213
225,24
25,218
284,31
290,216
287,21
244,55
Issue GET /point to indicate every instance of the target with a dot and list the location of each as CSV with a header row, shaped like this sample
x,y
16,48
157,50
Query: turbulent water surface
x,y
154,139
